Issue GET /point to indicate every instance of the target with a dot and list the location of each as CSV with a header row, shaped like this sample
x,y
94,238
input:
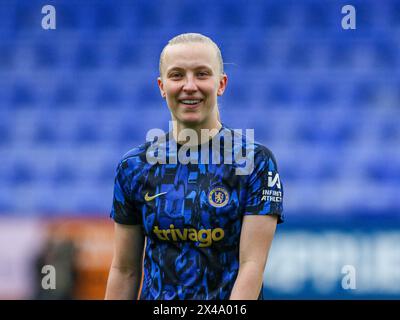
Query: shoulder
x,y
263,153
136,152
137,157
134,158
245,139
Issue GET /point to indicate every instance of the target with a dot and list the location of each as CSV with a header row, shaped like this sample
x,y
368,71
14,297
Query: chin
x,y
190,119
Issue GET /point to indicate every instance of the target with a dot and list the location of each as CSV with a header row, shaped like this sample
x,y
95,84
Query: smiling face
x,y
190,81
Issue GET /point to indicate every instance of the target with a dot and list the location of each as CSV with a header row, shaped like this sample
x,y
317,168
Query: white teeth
x,y
190,101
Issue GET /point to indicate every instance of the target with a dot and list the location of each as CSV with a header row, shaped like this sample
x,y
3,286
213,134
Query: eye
x,y
203,74
175,75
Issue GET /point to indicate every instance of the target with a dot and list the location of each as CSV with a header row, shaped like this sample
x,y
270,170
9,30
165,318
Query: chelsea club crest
x,y
218,197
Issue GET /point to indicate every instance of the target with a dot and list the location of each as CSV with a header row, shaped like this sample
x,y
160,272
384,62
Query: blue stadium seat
x,y
232,14
390,131
129,55
25,15
68,15
65,95
327,169
87,57
299,56
86,133
340,55
364,94
108,95
307,134
130,134
255,54
236,95
386,55
7,56
275,16
147,95
365,14
320,95
5,135
21,173
6,201
23,95
147,15
46,55
105,174
45,133
106,16
316,15
394,13
383,170
232,54
279,93
189,16
289,174
65,174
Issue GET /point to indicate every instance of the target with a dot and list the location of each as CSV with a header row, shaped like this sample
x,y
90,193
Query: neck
x,y
210,129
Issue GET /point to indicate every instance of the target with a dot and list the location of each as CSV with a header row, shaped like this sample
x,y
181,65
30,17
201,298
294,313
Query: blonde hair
x,y
190,38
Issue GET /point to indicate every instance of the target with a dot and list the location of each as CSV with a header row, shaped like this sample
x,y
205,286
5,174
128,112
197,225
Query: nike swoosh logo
x,y
149,198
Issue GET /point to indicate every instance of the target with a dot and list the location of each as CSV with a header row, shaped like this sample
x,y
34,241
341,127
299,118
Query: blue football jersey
x,y
191,213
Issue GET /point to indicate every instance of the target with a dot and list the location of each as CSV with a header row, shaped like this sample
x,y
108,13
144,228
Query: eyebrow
x,y
196,68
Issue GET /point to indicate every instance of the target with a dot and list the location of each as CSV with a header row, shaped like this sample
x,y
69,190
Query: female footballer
x,y
196,230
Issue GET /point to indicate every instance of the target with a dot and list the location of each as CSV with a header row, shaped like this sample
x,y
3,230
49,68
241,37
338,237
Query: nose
x,y
190,84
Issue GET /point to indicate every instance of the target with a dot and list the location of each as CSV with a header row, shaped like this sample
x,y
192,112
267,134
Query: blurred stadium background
x,y
325,100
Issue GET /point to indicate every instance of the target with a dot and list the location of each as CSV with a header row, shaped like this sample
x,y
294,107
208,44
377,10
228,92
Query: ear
x,y
161,87
223,81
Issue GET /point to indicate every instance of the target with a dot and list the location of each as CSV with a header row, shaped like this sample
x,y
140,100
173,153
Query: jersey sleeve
x,y
123,208
264,188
